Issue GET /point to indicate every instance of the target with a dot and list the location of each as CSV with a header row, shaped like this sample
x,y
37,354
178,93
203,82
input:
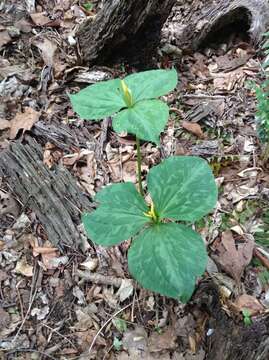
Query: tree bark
x,y
229,338
127,27
202,22
52,195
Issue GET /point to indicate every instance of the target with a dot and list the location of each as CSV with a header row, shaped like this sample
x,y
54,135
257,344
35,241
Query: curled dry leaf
x,y
193,128
23,268
232,257
249,303
48,49
23,120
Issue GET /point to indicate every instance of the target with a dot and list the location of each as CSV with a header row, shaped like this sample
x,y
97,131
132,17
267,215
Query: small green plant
x,y
88,6
165,256
262,95
246,317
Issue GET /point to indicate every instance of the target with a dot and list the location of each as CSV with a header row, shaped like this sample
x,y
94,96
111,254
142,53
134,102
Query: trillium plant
x,y
166,255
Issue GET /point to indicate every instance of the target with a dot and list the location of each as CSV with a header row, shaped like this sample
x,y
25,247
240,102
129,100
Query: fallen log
x,y
52,195
205,21
133,23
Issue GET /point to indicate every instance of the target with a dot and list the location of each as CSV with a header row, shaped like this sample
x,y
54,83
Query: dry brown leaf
x,y
193,128
4,38
233,258
23,268
250,303
23,121
39,19
164,341
47,48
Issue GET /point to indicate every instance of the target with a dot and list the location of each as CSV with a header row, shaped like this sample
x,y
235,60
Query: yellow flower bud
x,y
127,94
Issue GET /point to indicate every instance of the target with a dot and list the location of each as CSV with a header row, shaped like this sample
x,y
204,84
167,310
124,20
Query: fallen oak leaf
x,y
23,120
233,258
193,128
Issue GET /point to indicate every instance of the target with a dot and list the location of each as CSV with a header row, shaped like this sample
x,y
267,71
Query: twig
x,y
62,336
99,279
30,350
263,259
202,96
105,324
32,298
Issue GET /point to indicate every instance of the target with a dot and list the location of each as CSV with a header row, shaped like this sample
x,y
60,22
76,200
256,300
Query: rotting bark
x,y
62,135
230,339
133,23
205,23
52,195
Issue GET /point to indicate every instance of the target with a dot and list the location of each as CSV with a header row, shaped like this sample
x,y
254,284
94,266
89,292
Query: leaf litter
x,y
215,119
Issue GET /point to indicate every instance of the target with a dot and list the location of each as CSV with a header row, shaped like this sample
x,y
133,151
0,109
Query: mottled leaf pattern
x,y
168,258
151,84
182,188
119,215
146,119
164,257
99,100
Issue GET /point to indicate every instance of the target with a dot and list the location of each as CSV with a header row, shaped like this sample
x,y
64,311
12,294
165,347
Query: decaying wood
x,y
52,195
228,338
137,23
191,32
62,135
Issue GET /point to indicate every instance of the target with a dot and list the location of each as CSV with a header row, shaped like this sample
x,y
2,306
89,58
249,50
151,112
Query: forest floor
x,y
79,302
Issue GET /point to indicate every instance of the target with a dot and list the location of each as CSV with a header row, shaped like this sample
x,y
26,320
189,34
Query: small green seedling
x,y
88,6
117,344
246,317
165,256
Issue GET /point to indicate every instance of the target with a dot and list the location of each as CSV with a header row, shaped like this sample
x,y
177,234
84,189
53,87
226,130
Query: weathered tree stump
x,y
52,195
205,21
136,24
229,338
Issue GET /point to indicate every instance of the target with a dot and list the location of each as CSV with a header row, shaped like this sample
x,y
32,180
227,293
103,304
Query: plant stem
x,y
139,175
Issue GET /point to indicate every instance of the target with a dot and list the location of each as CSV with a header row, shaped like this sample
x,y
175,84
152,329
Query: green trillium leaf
x,y
146,119
98,101
182,188
151,84
168,258
119,216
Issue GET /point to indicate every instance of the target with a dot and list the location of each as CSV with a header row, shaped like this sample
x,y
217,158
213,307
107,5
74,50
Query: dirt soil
x,y
78,301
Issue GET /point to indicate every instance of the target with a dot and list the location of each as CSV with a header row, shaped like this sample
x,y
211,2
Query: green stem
x,y
139,172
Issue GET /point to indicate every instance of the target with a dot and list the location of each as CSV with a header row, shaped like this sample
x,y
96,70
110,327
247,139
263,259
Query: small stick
x,y
261,257
99,279
105,324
